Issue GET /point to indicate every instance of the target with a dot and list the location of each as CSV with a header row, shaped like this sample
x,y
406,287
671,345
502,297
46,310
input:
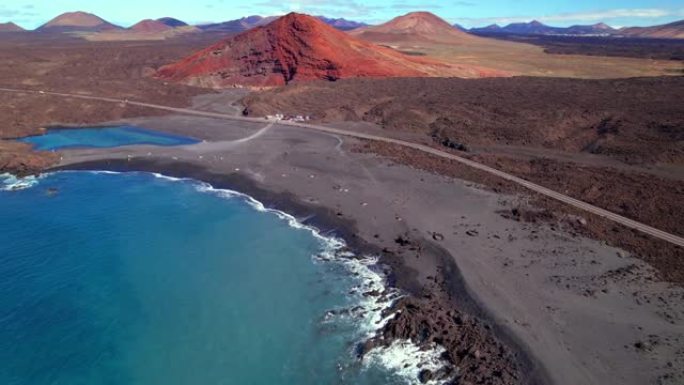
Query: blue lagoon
x,y
103,137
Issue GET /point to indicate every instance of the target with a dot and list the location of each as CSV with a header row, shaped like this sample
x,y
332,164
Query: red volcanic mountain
x,y
10,27
291,48
150,26
77,21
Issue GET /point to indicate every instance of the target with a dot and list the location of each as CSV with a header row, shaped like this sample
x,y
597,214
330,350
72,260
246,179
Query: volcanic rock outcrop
x,y
77,21
292,48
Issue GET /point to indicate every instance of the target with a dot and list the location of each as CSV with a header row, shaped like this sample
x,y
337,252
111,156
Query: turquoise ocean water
x,y
103,137
135,278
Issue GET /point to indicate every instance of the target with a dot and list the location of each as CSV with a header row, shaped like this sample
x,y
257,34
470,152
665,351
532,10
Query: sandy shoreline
x,y
567,309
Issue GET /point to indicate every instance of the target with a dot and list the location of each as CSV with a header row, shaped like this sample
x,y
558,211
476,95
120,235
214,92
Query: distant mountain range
x,y
537,28
95,27
667,31
342,24
238,25
86,22
246,23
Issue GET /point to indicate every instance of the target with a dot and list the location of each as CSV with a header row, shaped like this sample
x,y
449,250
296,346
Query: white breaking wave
x,y
407,360
165,177
331,243
9,182
104,172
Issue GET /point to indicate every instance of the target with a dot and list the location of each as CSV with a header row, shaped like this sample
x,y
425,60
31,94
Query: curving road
x,y
674,239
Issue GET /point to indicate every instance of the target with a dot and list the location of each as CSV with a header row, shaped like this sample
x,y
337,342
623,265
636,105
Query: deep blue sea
x,y
138,279
102,137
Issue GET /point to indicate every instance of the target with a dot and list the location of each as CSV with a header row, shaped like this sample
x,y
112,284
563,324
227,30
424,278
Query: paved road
x,y
674,239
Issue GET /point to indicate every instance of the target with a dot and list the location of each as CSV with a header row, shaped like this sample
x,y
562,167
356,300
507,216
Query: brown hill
x,y
77,21
299,47
667,31
150,26
10,27
423,26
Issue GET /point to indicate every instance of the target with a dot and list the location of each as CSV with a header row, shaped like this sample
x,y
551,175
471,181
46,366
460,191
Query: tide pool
x,y
103,137
134,279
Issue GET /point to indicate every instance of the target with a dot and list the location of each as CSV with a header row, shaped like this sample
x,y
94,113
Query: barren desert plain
x,y
524,195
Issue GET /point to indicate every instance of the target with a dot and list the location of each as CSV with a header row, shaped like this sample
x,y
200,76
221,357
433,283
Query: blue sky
x,y
32,13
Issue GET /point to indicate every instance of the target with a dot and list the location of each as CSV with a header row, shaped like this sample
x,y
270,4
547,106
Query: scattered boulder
x,y
402,241
437,236
425,375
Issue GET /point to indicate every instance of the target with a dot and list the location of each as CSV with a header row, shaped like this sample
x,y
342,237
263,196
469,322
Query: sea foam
x,y
408,360
9,182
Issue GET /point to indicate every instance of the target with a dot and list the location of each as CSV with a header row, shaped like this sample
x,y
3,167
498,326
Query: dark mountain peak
x,y
252,19
239,25
342,23
172,22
